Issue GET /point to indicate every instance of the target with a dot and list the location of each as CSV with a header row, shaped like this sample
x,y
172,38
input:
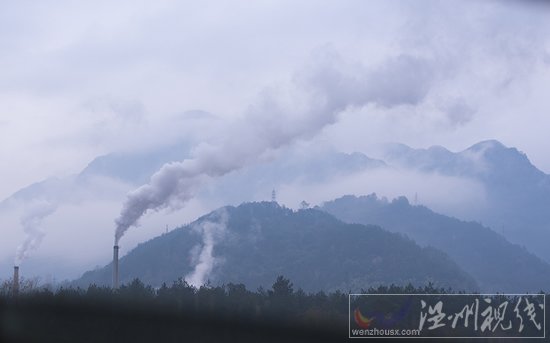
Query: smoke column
x,y
278,118
31,222
212,231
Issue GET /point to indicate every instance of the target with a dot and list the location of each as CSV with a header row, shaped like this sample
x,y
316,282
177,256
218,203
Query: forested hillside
x,y
255,242
495,263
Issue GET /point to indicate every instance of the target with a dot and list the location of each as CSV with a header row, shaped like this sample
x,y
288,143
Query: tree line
x,y
176,312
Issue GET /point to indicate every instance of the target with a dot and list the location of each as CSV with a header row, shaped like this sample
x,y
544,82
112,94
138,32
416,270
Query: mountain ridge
x,y
515,199
496,264
517,192
312,248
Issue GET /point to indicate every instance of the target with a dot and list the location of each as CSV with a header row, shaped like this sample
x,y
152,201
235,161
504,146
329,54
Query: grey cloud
x,y
278,118
403,80
400,80
459,112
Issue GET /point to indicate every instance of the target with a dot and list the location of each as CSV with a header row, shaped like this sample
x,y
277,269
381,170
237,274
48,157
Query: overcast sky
x,y
80,79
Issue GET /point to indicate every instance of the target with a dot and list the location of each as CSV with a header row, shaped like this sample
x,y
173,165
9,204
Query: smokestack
x,y
115,267
15,280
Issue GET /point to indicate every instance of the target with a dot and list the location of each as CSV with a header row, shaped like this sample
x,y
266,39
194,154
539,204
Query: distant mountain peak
x,y
399,148
503,160
486,145
438,148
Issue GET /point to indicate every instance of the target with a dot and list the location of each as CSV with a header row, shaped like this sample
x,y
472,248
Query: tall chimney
x,y
15,280
115,267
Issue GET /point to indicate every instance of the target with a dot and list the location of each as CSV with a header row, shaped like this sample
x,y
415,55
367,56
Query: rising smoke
x,y
31,222
327,87
212,231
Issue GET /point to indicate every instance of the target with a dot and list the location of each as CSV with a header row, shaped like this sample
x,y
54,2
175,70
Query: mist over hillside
x,y
517,194
255,242
495,263
489,183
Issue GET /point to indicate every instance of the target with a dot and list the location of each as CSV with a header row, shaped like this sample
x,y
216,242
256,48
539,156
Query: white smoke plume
x,y
31,221
313,101
212,232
